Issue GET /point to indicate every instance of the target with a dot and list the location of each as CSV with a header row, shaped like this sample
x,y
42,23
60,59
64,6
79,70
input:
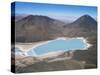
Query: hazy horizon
x,y
56,11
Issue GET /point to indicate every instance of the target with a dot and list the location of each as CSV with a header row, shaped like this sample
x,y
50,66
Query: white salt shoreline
x,y
63,38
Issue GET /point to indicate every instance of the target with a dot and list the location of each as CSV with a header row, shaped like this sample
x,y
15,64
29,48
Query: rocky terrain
x,y
36,28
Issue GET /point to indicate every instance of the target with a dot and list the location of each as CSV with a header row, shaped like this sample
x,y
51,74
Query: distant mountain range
x,y
35,28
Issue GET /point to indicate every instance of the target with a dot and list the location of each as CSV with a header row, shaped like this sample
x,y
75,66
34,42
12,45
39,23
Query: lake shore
x,y
25,47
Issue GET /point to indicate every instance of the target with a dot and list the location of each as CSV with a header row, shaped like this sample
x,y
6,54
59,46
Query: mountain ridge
x,y
40,28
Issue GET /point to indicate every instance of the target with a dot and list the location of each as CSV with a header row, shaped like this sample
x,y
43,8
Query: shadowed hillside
x,y
84,26
37,28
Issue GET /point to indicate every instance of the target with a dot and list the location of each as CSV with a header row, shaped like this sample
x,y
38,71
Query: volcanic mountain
x,y
83,26
37,28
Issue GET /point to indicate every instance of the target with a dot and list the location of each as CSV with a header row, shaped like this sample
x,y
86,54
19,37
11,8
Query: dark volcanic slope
x,y
86,22
84,25
37,28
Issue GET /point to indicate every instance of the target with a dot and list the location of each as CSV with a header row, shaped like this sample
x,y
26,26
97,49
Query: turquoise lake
x,y
59,45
